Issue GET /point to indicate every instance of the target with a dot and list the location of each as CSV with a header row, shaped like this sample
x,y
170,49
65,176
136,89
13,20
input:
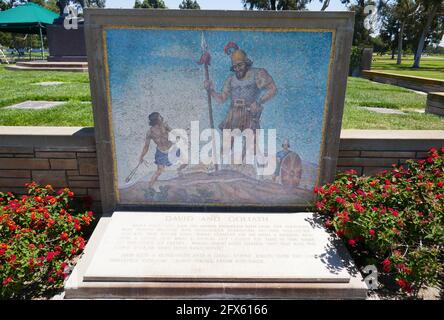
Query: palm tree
x,y
431,7
402,11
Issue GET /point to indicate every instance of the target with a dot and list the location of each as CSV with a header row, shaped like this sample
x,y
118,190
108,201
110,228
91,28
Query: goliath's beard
x,y
241,73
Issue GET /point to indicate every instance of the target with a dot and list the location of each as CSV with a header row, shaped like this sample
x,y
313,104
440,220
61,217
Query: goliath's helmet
x,y
237,55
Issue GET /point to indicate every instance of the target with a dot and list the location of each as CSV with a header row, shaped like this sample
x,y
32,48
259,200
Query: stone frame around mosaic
x,y
98,20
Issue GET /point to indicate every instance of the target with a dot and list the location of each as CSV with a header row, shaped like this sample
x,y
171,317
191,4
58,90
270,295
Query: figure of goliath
x,y
249,88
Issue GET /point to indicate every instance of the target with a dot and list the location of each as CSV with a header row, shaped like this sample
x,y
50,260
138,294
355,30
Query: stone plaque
x,y
142,246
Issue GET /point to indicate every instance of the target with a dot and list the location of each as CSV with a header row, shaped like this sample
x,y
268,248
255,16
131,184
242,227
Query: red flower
x,y
70,194
50,279
50,256
86,219
64,236
3,248
11,225
404,284
7,281
372,232
340,200
394,212
386,265
12,258
340,233
358,207
319,205
352,242
328,224
51,222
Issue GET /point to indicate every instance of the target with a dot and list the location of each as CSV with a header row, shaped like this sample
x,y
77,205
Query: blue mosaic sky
x,y
297,61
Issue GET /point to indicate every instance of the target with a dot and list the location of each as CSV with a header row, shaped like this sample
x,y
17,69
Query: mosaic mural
x,y
217,117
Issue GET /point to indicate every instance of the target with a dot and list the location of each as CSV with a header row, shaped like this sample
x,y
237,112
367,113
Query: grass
x,y
364,93
19,86
431,67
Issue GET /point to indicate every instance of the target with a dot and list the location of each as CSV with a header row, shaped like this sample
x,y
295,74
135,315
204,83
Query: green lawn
x,y
431,67
364,93
18,86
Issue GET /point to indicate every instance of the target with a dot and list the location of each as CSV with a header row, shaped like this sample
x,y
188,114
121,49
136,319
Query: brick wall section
x,y
49,155
65,156
371,151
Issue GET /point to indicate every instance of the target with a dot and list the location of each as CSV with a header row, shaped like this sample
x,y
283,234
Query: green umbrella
x,y
27,18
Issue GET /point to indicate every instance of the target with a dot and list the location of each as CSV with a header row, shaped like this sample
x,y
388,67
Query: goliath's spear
x,y
205,59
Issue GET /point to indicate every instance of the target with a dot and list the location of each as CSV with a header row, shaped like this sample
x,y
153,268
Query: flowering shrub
x,y
394,220
40,234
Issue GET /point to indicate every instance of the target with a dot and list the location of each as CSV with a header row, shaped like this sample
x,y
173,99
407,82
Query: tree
x,y
5,5
189,4
402,11
325,4
275,4
431,8
52,5
150,4
389,28
95,3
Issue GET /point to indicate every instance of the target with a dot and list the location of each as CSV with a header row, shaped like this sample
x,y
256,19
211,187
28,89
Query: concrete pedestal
x,y
144,255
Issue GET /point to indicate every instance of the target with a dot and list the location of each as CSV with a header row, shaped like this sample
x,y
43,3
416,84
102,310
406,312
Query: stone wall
x,y
435,103
410,82
65,156
60,156
370,151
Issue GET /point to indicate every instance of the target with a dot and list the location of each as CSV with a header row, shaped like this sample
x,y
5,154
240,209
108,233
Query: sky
x,y
218,4
335,5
